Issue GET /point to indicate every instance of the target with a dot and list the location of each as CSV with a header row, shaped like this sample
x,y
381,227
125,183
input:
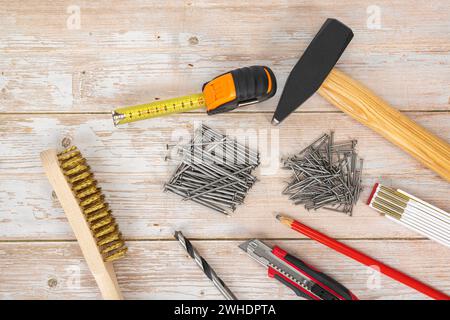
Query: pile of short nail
x,y
325,175
216,171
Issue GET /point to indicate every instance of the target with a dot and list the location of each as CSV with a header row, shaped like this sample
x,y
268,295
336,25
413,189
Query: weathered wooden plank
x,y
129,162
133,52
162,270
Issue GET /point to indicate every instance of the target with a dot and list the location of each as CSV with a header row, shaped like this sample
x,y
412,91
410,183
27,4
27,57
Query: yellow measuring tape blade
x,y
158,108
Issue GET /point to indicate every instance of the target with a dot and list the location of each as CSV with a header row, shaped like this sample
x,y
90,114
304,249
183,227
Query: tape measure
x,y
158,109
237,88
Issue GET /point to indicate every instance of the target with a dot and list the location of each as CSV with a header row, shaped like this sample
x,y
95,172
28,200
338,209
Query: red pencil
x,y
362,258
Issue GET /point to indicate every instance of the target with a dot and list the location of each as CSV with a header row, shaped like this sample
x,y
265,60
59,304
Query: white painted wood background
x,y
58,82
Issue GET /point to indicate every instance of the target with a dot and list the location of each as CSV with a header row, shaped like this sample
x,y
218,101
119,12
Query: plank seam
x,y
215,239
203,113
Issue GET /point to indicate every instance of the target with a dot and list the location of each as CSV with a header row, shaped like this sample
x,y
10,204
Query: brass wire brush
x,y
89,215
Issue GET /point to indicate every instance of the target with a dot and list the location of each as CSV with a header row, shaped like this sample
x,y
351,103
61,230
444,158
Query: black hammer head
x,y
313,67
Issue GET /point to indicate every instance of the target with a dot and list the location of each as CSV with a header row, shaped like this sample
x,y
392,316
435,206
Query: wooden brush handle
x,y
103,271
364,106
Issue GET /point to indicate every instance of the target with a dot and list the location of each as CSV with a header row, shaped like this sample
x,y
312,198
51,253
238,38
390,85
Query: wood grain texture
x,y
58,83
360,103
162,270
126,53
129,163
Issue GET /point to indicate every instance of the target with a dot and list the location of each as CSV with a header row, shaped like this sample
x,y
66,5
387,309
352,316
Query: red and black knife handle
x,y
298,290
326,288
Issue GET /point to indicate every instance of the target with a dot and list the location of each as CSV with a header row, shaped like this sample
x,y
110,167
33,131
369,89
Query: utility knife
x,y
304,280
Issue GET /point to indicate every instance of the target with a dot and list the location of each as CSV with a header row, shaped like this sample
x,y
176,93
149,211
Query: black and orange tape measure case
x,y
239,87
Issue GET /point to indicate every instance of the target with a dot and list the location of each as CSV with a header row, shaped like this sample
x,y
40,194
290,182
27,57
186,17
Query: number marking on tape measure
x,y
158,109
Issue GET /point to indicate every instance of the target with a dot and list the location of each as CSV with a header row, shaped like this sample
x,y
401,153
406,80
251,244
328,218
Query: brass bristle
x,y
68,153
94,198
84,184
79,177
110,238
98,215
103,222
113,246
91,200
109,228
72,162
95,207
76,170
117,254
87,192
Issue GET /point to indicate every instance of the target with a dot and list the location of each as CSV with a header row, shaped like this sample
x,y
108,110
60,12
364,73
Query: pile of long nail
x,y
216,171
325,175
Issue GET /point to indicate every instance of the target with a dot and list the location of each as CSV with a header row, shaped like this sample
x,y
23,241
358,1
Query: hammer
x,y
315,72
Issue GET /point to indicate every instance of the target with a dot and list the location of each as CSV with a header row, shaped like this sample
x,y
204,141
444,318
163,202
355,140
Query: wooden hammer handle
x,y
360,103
